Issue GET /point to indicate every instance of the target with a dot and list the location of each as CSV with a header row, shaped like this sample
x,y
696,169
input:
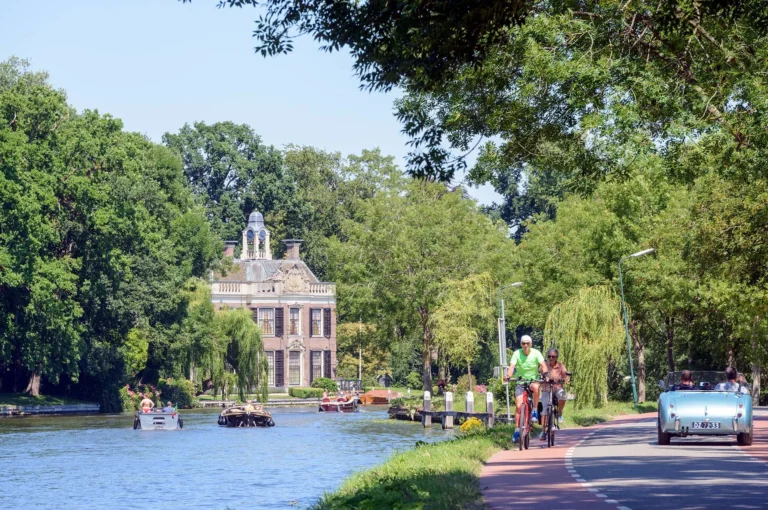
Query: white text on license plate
x,y
705,425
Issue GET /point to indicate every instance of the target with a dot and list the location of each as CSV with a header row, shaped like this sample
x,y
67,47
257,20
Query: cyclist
x,y
529,363
557,372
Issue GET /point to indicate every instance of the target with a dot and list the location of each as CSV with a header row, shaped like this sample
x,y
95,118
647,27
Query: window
x,y
317,322
317,364
267,321
294,326
271,372
294,368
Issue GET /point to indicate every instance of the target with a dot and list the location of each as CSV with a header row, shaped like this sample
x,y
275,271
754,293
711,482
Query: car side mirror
x,y
661,384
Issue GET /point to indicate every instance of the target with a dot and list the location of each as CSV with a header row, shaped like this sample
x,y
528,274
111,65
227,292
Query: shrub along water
x,y
326,384
299,392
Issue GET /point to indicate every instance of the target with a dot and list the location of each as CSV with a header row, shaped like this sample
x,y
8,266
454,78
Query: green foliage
x,y
462,384
326,384
179,391
241,350
588,331
300,392
134,350
401,251
129,401
413,380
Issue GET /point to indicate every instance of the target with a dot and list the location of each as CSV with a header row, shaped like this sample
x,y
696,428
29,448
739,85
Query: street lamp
x,y
626,326
503,340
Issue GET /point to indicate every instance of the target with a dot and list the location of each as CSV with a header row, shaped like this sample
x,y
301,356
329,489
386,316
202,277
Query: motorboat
x,y
340,405
155,419
237,416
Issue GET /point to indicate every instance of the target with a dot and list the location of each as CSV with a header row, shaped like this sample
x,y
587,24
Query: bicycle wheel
x,y
523,425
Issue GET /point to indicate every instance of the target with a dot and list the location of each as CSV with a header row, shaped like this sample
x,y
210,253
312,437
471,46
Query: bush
x,y
472,425
129,400
326,384
414,380
481,388
179,391
462,383
299,392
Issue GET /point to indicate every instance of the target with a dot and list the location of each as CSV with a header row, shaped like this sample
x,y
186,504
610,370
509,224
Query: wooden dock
x,y
426,415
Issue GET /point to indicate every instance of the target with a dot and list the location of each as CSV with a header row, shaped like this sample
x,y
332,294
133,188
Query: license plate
x,y
705,425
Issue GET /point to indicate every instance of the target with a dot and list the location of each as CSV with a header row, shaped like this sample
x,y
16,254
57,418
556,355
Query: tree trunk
x,y
469,376
755,366
33,386
427,349
640,350
670,322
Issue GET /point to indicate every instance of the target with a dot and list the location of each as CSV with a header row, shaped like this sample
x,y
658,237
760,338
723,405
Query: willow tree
x,y
240,350
588,330
463,318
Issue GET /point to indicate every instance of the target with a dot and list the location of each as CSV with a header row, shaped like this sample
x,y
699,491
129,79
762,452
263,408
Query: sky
x,y
158,64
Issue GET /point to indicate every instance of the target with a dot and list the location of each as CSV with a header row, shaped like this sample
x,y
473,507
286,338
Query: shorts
x,y
546,397
519,390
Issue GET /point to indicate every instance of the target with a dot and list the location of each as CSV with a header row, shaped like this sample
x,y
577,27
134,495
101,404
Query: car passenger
x,y
686,381
733,383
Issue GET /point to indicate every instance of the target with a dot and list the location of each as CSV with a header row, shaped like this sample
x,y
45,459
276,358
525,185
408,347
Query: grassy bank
x,y
20,399
420,478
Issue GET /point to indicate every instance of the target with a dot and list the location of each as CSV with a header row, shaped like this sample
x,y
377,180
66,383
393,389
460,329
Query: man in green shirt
x,y
529,362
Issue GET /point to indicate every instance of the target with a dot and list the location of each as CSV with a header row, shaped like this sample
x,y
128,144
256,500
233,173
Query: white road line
x,y
624,508
612,501
580,480
601,496
592,490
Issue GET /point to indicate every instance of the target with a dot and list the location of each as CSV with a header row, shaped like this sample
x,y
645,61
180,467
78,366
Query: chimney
x,y
229,248
292,245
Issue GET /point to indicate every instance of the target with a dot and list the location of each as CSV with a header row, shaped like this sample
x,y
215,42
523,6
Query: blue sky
x,y
157,64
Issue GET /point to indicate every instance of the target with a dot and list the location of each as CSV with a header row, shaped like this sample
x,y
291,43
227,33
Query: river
x,y
101,462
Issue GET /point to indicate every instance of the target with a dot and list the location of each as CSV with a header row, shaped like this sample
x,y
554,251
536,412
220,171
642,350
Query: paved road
x,y
618,465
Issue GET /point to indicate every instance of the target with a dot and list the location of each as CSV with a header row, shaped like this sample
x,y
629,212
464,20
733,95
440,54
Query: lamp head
x,y
644,252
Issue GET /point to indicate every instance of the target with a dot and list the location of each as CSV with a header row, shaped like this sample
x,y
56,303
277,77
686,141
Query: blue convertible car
x,y
701,411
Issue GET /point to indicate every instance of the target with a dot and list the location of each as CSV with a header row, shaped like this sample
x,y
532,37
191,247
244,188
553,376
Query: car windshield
x,y
702,381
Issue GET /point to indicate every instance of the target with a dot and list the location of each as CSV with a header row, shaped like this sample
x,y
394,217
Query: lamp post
x,y
626,325
503,340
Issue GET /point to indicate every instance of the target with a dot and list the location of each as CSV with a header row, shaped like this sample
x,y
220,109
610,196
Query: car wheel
x,y
744,439
664,437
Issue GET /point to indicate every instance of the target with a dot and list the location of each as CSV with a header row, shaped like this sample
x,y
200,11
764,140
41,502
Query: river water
x,y
101,462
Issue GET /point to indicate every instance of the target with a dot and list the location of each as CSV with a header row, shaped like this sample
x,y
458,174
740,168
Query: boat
x,y
236,416
340,405
157,420
378,397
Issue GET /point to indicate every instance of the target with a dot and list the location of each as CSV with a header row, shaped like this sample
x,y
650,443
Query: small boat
x,y
340,405
378,397
157,420
236,416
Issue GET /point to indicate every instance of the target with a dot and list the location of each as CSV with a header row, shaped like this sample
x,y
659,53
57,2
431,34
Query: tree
x,y
241,351
232,172
98,234
465,319
401,250
588,330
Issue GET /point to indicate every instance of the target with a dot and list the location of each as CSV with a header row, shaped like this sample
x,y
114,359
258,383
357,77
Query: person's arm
x,y
543,368
565,371
512,363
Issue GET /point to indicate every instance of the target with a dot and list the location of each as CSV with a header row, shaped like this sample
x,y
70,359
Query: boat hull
x,y
338,407
237,417
157,420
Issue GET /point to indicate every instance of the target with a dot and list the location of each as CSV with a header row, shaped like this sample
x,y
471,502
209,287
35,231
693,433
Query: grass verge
x,y
431,476
20,399
421,478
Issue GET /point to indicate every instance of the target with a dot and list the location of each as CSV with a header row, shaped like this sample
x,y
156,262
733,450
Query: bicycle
x,y
553,411
526,412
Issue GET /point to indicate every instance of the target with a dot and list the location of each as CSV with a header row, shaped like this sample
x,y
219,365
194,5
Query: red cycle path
x,y
759,448
538,478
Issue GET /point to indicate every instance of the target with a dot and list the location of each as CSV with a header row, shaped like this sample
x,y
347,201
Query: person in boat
x,y
248,408
325,394
147,404
169,407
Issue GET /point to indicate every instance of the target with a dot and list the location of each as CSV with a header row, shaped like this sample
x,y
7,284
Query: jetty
x,y
449,416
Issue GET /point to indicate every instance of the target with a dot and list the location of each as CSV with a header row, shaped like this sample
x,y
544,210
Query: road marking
x,y
580,480
612,501
601,496
592,490
624,508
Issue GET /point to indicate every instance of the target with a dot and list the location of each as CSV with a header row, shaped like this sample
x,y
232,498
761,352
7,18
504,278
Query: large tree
x,y
400,252
98,233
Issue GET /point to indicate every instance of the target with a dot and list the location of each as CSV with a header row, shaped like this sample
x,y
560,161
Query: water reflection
x,y
100,461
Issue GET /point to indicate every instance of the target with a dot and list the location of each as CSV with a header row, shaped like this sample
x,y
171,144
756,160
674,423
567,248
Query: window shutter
x,y
279,321
327,364
327,322
279,368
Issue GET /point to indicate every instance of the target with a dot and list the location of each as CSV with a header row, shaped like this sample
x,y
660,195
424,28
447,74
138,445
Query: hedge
x,y
299,392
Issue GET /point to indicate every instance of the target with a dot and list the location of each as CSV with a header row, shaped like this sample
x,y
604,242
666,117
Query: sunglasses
x,y
552,357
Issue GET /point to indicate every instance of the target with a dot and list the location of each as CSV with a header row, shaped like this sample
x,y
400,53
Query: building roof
x,y
263,270
256,221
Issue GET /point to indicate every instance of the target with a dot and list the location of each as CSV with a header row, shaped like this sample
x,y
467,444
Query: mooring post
x,y
489,409
389,395
470,402
448,420
426,418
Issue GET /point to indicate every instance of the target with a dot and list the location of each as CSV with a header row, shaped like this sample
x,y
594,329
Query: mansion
x,y
296,312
